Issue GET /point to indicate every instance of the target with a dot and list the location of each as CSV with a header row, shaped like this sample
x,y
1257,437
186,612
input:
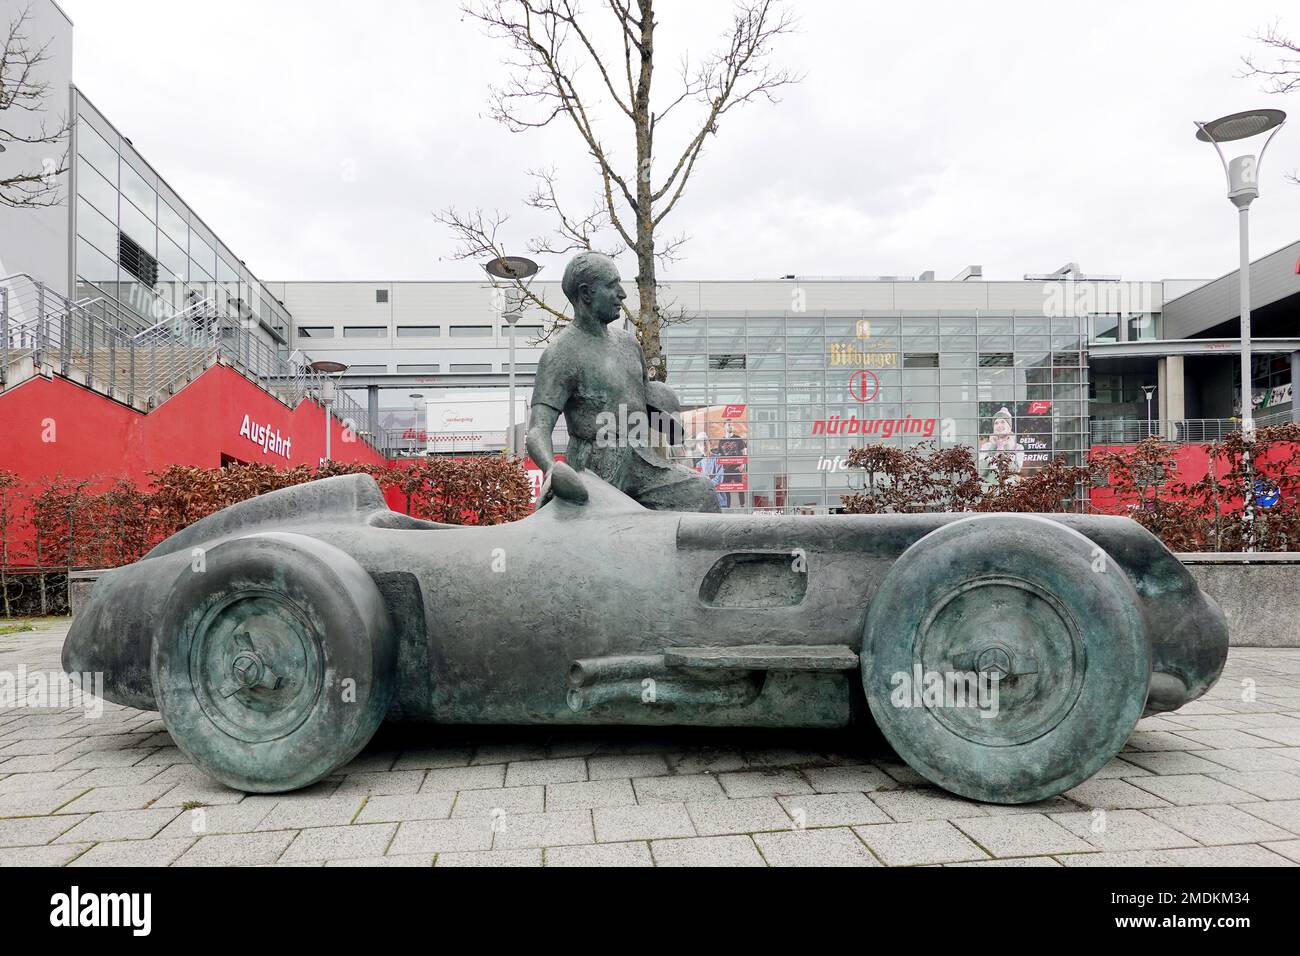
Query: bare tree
x,y
1282,73
568,66
22,91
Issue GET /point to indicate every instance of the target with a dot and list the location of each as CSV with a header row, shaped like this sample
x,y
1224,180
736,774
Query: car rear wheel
x,y
274,661
1005,657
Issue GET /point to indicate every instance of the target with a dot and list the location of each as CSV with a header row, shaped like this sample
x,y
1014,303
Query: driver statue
x,y
595,376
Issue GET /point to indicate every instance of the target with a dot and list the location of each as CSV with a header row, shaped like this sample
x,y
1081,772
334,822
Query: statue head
x,y
592,286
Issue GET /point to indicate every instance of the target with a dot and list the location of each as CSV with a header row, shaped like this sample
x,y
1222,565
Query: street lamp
x,y
516,269
1149,390
329,371
417,405
1243,189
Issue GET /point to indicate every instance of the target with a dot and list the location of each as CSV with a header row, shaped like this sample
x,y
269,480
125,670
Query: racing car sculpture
x,y
1006,657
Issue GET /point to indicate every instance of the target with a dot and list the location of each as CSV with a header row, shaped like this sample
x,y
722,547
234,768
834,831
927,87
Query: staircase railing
x,y
96,341
1192,431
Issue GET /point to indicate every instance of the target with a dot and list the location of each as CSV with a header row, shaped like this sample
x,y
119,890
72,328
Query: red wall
x,y
52,427
93,435
1192,463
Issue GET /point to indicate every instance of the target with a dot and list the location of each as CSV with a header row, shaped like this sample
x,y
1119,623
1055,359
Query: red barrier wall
x,y
52,426
1191,462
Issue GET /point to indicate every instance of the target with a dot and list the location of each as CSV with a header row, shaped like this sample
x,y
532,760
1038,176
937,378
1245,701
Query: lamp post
x,y
1149,390
417,405
515,269
329,372
1243,188
511,318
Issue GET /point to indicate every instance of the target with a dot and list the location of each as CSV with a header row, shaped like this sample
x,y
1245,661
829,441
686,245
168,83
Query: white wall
x,y
35,241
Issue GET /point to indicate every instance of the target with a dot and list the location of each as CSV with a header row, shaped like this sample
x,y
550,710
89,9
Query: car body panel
x,y
490,620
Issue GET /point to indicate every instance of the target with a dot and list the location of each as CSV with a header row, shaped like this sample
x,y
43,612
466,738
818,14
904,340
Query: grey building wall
x,y
1272,277
35,240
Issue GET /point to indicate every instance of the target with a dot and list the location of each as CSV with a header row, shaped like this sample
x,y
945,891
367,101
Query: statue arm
x,y
551,391
540,444
550,394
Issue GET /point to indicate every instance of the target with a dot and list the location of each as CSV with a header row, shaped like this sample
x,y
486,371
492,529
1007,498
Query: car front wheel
x,y
274,661
1005,657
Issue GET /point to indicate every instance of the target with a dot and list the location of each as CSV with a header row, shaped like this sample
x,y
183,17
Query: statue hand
x,y
562,482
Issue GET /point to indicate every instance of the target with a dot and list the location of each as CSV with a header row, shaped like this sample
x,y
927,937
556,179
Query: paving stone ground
x,y
1216,783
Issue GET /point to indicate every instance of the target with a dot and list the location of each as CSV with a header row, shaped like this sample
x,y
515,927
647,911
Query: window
x,y
170,255
202,254
996,359
94,228
470,331
921,360
93,265
920,326
99,191
532,367
366,370
1105,328
172,223
381,295
726,360
316,332
469,368
365,332
136,261
418,331
96,150
139,227
138,191
417,369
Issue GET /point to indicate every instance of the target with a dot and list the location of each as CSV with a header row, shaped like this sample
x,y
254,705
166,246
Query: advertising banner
x,y
1020,432
717,444
472,420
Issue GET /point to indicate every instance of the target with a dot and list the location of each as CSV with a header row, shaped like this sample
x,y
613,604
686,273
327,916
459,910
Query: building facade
x,y
119,235
139,244
778,379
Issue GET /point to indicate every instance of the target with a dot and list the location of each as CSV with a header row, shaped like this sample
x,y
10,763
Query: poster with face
x,y
717,443
1018,432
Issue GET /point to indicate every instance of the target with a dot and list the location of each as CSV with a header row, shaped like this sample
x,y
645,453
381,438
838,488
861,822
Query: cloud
x,y
317,138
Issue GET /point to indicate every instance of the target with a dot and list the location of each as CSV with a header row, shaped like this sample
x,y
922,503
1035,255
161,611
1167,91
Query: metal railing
x,y
116,354
1273,418
419,442
1191,431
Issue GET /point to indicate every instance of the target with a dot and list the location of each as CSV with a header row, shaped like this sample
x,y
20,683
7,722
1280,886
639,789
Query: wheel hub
x,y
1002,660
256,666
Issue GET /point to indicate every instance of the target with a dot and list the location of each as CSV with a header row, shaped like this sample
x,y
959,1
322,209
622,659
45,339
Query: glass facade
x,y
139,246
794,392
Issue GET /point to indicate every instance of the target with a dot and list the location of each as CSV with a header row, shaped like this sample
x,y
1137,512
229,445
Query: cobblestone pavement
x,y
1217,783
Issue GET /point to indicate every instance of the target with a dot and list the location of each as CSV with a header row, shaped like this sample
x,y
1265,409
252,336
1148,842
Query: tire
x,y
275,663
1056,647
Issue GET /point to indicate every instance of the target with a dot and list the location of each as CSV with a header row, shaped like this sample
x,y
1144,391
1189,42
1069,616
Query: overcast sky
x,y
317,138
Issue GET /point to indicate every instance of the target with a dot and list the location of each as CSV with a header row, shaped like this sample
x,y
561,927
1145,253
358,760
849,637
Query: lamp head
x,y
1242,172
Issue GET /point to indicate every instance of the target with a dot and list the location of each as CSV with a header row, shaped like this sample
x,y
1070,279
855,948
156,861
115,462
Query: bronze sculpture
x,y
1006,657
595,376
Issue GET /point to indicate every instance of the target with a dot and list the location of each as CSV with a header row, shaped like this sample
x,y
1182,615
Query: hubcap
x,y
256,666
1003,661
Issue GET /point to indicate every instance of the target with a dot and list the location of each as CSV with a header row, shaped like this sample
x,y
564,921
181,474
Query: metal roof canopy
x,y
1159,348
